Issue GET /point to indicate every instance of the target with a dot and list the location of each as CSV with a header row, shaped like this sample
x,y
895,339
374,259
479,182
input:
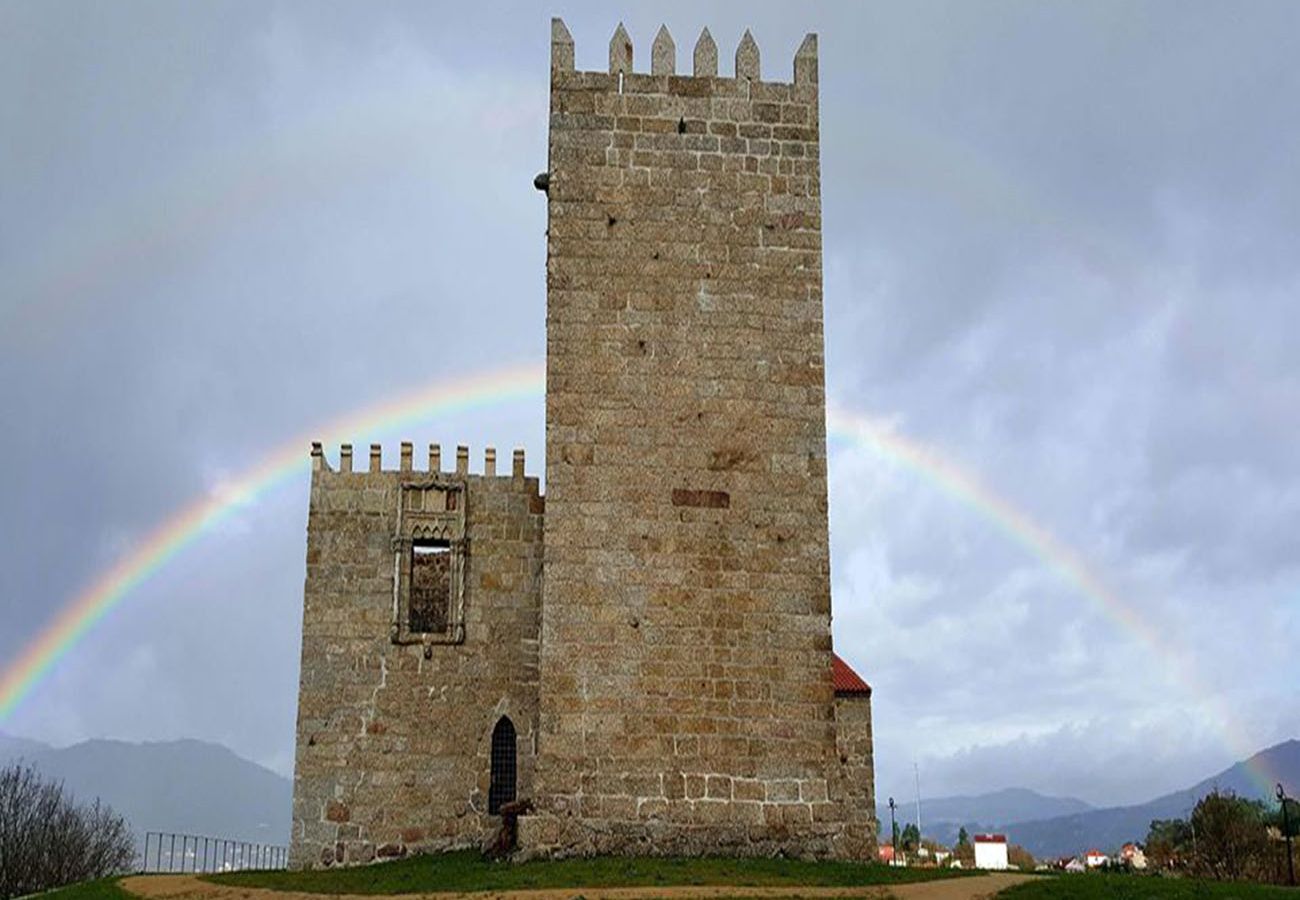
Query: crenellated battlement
x,y
626,147
644,653
406,461
685,425
663,62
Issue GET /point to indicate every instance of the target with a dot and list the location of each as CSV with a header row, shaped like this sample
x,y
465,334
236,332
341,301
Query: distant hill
x,y
180,786
1110,828
11,747
943,817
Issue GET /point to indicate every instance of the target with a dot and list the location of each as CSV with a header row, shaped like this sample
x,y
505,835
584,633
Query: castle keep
x,y
645,653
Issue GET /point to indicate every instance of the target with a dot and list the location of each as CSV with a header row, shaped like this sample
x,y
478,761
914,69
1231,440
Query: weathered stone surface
x,y
686,653
858,781
393,739
706,56
620,51
747,58
657,628
663,53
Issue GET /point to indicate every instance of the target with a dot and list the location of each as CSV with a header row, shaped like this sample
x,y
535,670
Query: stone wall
x,y
686,701
393,738
857,759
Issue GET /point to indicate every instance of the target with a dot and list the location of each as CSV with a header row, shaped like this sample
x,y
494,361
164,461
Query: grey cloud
x,y
1059,251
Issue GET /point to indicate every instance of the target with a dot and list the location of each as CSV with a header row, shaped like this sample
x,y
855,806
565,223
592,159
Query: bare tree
x,y
47,839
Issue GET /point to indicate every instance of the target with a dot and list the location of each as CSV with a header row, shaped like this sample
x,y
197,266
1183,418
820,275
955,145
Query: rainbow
x,y
103,594
232,183
485,390
965,488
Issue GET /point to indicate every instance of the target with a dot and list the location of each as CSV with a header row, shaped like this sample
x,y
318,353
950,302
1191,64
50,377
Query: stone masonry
x,y
394,729
687,702
649,660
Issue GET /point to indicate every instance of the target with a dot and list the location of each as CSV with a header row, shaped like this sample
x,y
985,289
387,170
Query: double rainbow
x,y
486,390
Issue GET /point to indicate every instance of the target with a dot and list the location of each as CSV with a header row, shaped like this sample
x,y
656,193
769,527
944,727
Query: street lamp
x,y
1286,833
893,832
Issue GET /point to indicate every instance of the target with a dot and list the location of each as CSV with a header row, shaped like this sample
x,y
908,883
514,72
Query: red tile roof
x,y
846,680
990,838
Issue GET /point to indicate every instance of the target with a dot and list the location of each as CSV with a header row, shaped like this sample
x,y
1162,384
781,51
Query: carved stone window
x,y
429,553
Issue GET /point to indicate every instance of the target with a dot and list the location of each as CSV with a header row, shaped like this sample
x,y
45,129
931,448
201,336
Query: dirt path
x,y
187,887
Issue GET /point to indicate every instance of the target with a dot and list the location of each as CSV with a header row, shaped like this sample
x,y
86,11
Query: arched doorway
x,y
501,789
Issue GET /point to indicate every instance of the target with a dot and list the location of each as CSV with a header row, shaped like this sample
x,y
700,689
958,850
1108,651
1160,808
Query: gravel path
x,y
188,887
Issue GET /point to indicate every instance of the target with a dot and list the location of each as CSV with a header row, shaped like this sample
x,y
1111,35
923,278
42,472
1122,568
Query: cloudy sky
x,y
1061,255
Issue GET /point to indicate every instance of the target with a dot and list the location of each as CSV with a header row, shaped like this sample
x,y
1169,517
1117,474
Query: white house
x,y
1133,855
991,851
1096,859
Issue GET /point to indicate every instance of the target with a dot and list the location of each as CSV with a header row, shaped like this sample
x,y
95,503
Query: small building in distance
x,y
1095,859
991,851
1133,856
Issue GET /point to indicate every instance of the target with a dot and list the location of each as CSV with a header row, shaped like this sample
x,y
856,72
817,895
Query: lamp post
x,y
893,832
917,770
1286,833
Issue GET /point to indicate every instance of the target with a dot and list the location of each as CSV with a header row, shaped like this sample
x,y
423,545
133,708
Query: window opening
x,y
502,786
430,594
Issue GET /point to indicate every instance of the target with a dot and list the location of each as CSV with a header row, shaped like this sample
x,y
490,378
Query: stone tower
x,y
686,695
643,656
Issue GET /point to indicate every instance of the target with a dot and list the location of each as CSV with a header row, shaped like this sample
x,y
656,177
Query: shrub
x,y
47,839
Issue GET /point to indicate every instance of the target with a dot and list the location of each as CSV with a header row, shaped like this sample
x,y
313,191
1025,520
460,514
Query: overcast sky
x,y
1060,252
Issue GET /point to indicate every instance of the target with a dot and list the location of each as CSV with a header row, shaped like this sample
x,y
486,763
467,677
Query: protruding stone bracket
x,y
706,56
561,47
663,54
805,61
747,58
620,52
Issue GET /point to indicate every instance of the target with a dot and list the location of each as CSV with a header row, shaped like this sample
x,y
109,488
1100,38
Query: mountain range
x,y
194,787
185,786
1005,806
1051,827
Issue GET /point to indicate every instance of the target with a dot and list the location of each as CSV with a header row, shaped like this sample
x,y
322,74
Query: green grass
x,y
468,871
99,889
1096,886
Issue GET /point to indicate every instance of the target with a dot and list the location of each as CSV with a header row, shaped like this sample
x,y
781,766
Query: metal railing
x,y
166,851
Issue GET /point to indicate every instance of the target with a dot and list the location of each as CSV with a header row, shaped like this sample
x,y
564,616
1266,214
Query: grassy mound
x,y
99,889
468,871
1095,886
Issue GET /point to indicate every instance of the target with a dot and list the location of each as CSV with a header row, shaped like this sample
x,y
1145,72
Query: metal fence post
x,y
201,853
